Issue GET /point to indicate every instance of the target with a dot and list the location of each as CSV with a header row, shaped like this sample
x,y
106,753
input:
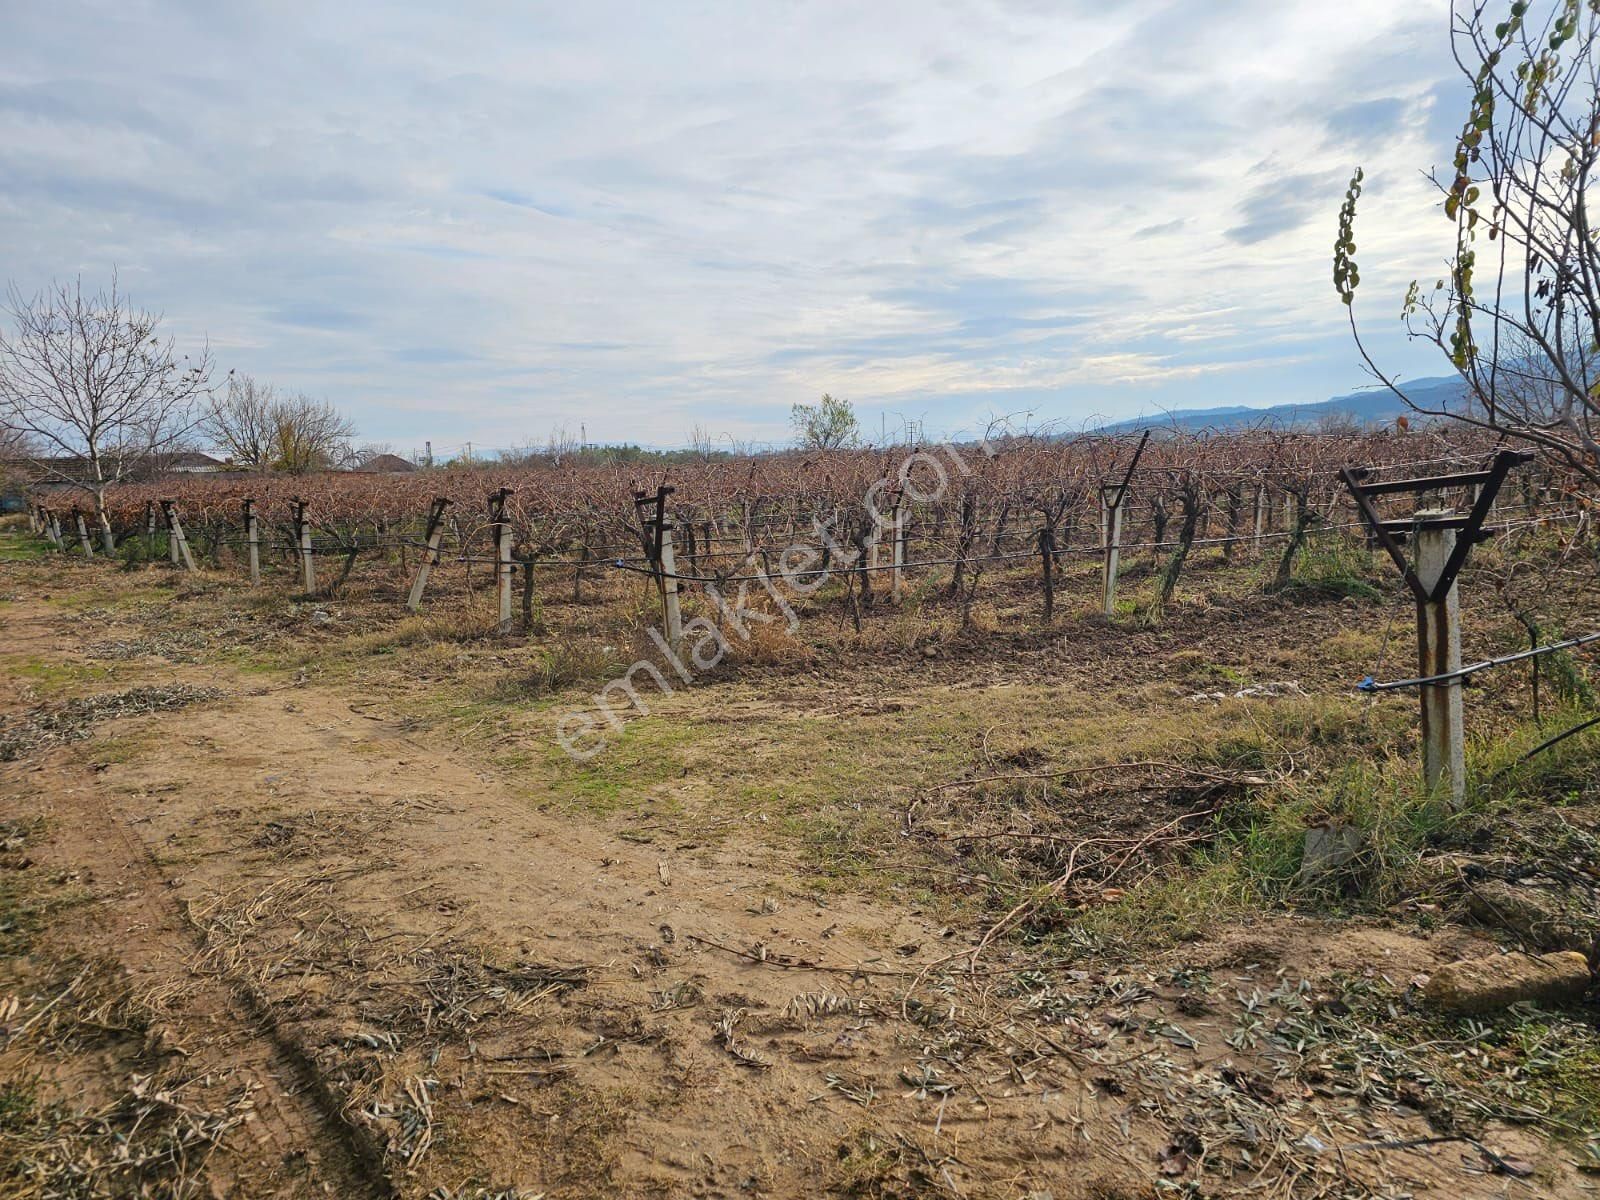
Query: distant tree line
x,y
92,395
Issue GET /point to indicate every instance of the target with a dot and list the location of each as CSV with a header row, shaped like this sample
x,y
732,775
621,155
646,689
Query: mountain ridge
x,y
1374,406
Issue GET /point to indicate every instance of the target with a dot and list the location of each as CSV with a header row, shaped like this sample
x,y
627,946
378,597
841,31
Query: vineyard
x,y
961,511
1099,816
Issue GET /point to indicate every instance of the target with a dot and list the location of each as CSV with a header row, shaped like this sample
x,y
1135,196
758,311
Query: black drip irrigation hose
x,y
1369,684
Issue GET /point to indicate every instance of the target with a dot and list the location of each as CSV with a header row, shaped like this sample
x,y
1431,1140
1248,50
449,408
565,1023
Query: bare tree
x,y
1518,313
307,434
263,429
93,387
15,445
16,451
561,444
243,423
702,443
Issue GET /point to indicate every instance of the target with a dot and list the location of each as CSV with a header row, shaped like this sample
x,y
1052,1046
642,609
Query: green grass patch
x,y
58,678
1338,568
1351,773
18,545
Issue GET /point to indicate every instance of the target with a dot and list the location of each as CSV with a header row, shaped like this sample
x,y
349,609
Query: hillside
x,y
1371,406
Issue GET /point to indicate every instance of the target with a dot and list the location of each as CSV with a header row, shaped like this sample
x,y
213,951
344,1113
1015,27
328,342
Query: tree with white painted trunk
x,y
88,380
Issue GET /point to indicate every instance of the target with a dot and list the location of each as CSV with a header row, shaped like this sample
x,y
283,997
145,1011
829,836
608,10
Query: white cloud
x,y
493,219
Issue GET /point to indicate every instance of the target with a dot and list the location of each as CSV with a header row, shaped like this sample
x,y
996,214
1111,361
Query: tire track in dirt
x,y
504,874
294,1119
295,1125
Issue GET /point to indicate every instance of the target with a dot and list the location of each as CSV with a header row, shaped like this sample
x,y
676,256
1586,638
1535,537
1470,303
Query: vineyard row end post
x,y
302,536
1444,738
150,530
1111,545
897,575
252,538
669,583
1113,502
1443,540
178,544
82,531
656,535
502,558
430,556
172,538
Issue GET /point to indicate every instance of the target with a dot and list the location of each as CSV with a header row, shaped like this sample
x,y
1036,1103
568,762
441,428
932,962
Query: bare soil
x,y
411,963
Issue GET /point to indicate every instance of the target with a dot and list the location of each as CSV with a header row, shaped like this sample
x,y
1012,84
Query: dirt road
x,y
404,976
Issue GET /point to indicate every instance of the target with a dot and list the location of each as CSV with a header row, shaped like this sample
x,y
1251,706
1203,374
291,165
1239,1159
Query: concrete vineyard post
x,y
172,538
302,531
1444,766
897,577
655,538
1443,540
252,538
177,544
669,587
1111,506
502,558
83,531
1261,517
430,556
150,530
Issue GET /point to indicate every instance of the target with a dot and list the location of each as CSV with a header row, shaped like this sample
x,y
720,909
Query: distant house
x,y
191,462
43,472
389,464
19,477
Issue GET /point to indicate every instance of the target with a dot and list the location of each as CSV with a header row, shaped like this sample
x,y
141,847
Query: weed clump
x,y
73,720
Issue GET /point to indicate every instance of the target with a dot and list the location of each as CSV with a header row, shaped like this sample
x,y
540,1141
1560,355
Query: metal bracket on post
x,y
430,556
656,534
302,537
1444,538
252,538
502,557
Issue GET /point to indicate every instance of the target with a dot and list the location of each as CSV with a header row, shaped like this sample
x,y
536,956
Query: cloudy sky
x,y
478,221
